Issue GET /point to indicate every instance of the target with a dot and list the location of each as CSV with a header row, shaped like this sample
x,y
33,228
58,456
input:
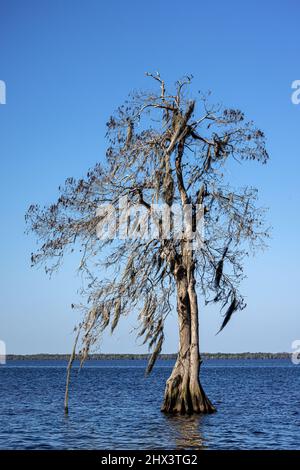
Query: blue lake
x,y
113,406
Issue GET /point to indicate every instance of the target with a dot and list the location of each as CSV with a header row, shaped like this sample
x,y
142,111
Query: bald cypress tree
x,y
164,150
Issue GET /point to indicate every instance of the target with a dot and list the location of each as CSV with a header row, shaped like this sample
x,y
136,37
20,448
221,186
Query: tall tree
x,y
162,150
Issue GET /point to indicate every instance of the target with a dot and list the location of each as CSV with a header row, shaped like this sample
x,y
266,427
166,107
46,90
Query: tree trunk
x,y
184,393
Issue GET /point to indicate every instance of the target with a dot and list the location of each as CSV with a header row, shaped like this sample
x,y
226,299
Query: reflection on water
x,y
186,431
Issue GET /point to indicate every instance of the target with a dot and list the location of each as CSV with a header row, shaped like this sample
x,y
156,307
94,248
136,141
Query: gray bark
x,y
184,393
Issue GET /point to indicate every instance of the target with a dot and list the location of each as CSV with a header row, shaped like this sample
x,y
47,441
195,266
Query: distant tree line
x,y
101,357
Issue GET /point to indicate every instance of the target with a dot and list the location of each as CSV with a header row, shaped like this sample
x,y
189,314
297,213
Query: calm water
x,y
113,406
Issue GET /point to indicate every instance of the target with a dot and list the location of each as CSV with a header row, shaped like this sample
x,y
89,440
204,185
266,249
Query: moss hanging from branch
x,y
161,148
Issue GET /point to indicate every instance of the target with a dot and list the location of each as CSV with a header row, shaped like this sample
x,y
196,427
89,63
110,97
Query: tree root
x,y
182,396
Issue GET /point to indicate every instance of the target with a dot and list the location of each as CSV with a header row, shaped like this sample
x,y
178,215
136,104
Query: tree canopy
x,y
163,148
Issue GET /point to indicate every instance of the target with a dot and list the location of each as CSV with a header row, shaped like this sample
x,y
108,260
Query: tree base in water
x,y
183,396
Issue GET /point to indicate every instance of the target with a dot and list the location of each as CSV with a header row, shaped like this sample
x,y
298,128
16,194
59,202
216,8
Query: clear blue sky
x,y
67,64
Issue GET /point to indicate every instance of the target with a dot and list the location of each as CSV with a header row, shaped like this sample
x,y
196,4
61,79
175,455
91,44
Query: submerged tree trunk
x,y
184,393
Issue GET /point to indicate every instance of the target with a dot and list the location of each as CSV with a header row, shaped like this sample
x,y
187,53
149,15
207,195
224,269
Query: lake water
x,y
113,406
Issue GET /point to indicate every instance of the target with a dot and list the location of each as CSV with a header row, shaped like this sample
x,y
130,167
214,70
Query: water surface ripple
x,y
113,406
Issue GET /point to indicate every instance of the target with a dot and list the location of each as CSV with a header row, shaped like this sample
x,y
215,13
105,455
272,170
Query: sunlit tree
x,y
163,149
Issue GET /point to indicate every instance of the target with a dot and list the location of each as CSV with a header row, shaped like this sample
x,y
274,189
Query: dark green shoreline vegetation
x,y
101,357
